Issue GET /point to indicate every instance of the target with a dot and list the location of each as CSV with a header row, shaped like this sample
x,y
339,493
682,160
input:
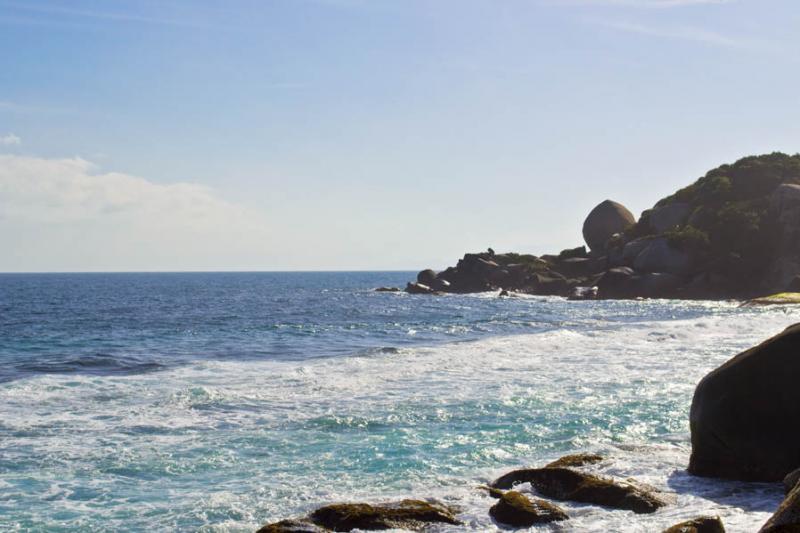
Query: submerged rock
x,y
606,219
572,485
387,289
744,414
703,524
516,509
576,459
291,526
787,518
406,514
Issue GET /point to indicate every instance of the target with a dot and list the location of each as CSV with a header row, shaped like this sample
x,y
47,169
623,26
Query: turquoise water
x,y
218,402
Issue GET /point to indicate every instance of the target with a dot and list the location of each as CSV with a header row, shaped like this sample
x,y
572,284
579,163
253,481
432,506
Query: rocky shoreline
x,y
743,428
733,234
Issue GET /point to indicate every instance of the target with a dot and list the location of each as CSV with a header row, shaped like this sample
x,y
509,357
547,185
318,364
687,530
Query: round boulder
x,y
427,277
605,220
744,414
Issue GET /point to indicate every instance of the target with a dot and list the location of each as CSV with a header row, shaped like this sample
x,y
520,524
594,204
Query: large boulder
x,y
661,256
427,277
668,217
517,510
406,514
787,518
606,219
744,415
572,485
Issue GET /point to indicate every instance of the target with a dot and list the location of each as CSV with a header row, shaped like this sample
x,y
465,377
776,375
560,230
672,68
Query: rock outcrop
x,y
517,510
703,524
733,233
575,460
292,526
406,514
744,414
572,485
787,518
790,480
604,221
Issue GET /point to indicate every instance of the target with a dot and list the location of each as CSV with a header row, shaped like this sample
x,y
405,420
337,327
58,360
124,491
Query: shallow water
x,y
218,402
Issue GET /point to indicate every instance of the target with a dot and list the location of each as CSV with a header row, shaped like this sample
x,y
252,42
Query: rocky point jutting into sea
x,y
734,233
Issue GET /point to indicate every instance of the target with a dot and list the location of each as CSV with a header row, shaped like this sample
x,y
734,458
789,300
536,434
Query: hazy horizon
x,y
355,135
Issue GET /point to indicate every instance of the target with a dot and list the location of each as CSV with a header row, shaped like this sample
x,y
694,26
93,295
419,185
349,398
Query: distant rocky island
x,y
733,233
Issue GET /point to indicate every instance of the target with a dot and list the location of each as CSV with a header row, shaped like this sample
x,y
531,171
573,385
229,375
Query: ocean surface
x,y
222,401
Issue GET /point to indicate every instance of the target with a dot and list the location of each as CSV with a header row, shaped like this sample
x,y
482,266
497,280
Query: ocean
x,y
223,401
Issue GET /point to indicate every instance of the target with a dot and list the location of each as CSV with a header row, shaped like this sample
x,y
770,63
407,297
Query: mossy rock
x,y
517,510
703,524
781,298
572,485
406,514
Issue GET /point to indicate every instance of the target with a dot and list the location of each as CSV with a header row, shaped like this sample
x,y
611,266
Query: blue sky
x,y
367,134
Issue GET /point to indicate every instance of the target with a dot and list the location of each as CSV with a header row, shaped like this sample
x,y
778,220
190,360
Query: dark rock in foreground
x,y
406,514
571,485
787,518
791,480
704,524
744,415
517,510
291,526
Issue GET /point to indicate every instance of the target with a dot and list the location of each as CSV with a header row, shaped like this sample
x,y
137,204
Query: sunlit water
x,y
219,402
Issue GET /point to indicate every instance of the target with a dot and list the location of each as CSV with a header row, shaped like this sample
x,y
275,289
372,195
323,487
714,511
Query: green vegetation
x,y
730,223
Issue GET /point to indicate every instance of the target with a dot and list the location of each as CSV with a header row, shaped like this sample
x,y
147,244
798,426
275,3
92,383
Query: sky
x,y
367,134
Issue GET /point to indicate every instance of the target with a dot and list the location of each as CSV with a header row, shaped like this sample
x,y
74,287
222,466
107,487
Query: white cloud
x,y
9,140
687,33
62,214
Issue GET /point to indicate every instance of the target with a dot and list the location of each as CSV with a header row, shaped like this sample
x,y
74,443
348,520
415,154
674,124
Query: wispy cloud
x,y
639,3
61,11
686,33
10,139
17,107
